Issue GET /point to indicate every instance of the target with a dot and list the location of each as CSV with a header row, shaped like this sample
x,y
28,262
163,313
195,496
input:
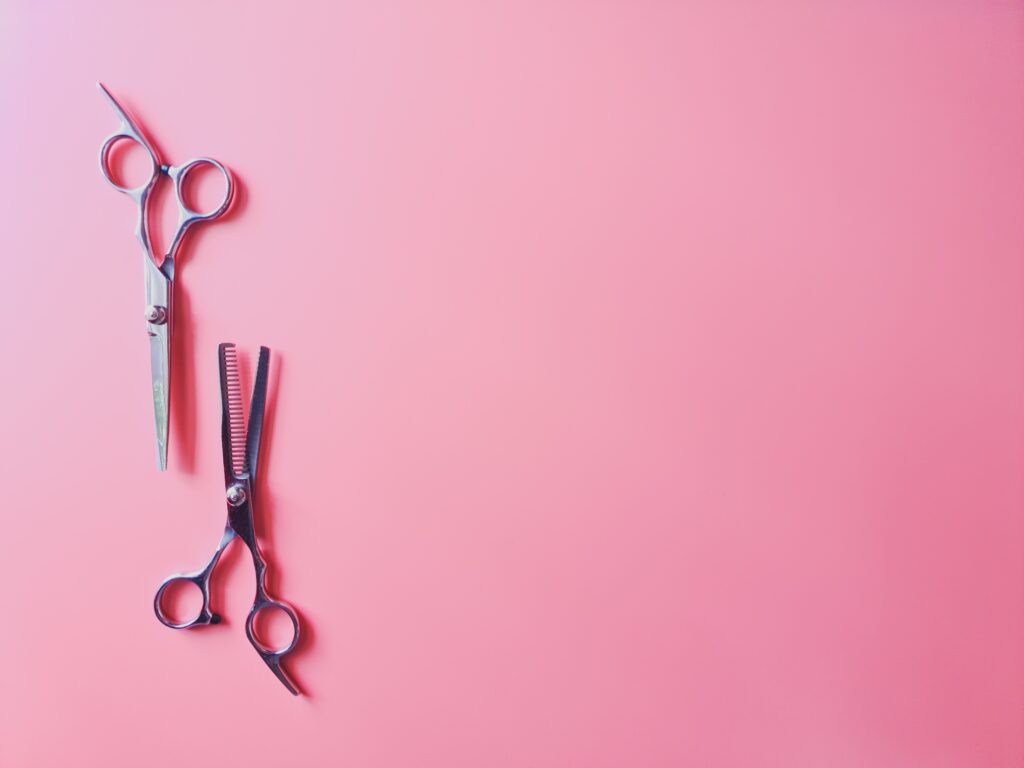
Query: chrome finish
x,y
160,366
239,488
159,278
236,495
156,315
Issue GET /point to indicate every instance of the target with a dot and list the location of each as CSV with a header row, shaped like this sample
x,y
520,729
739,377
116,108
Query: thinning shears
x,y
241,448
159,278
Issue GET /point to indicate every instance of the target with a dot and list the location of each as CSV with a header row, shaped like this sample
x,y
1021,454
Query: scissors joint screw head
x,y
156,315
236,495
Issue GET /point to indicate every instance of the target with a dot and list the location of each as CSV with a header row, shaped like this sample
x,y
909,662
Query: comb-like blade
x,y
233,423
257,406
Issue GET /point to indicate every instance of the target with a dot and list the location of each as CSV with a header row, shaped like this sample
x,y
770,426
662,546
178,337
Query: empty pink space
x,y
647,384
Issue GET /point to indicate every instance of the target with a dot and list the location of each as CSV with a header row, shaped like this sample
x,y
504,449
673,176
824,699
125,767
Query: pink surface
x,y
648,384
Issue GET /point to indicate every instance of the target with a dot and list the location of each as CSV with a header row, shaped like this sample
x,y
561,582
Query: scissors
x,y
241,450
159,277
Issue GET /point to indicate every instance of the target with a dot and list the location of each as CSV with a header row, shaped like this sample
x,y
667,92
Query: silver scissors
x,y
241,450
159,277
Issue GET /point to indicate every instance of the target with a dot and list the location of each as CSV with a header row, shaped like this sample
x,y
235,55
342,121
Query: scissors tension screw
x,y
236,495
156,315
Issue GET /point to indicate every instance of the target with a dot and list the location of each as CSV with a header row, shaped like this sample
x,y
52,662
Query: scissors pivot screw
x,y
236,495
156,315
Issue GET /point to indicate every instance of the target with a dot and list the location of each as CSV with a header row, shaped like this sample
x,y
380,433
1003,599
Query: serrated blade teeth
x,y
236,412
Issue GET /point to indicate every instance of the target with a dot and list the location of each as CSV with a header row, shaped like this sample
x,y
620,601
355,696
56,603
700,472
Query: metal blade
x,y
159,321
232,415
257,407
160,364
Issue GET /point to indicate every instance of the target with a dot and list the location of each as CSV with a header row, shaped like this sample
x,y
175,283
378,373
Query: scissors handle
x,y
201,579
140,194
129,130
187,216
136,193
203,617
273,657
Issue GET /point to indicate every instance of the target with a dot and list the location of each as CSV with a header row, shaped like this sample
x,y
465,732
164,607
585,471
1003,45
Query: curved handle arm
x,y
201,579
187,216
129,131
271,657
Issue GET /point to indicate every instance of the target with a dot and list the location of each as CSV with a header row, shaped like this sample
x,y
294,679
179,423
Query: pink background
x,y
648,384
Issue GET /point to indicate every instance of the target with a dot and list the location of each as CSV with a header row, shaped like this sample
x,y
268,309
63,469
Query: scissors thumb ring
x,y
267,605
204,616
178,174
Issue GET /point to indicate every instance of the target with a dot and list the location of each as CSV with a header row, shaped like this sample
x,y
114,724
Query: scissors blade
x,y
160,364
158,326
232,426
257,407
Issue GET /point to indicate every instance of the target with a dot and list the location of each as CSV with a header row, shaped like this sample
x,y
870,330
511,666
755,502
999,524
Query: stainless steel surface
x,y
160,367
159,277
236,495
156,315
239,485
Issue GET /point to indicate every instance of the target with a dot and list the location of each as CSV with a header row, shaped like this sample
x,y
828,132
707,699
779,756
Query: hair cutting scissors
x,y
241,450
159,277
